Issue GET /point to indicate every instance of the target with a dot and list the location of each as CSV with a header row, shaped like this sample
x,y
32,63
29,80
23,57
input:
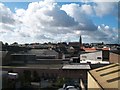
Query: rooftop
x,y
107,76
80,66
36,66
115,51
40,52
90,49
58,66
95,61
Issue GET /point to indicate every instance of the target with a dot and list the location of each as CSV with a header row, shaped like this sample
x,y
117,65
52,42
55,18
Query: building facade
x,y
104,78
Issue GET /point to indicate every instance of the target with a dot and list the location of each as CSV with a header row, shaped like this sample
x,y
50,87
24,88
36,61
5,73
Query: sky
x,y
51,21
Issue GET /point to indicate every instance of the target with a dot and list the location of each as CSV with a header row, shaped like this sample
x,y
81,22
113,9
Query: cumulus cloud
x,y
87,1
44,18
105,8
105,33
88,9
100,7
44,13
6,15
46,21
78,13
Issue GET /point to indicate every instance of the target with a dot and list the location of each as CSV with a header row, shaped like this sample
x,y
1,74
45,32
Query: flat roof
x,y
107,76
22,54
80,66
52,66
95,61
34,66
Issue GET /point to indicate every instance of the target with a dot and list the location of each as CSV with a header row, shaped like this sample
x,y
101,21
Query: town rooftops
x,y
79,66
93,49
90,49
107,76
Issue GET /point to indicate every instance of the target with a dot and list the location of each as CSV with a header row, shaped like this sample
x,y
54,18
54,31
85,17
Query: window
x,y
99,57
84,56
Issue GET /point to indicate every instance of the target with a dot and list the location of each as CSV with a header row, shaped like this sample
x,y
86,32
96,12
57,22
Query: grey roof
x,y
42,52
80,66
36,66
21,54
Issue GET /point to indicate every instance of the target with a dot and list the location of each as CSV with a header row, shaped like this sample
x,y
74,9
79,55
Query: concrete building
x,y
5,57
46,61
3,75
22,58
77,72
96,56
32,59
104,78
44,53
114,57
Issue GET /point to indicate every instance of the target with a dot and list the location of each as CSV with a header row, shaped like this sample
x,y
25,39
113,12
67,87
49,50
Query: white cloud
x,y
100,7
20,12
87,9
41,21
44,13
79,14
104,8
105,34
6,15
105,0
87,1
46,21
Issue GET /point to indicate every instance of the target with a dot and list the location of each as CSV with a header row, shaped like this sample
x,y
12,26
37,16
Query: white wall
x,y
91,56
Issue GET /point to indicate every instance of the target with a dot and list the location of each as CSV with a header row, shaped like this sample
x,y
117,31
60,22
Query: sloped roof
x,y
89,49
107,76
42,52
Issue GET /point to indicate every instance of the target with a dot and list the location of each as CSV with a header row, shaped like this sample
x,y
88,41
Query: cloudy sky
x,y
51,21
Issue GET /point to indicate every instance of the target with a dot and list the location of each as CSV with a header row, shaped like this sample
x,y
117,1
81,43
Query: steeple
x,y
80,42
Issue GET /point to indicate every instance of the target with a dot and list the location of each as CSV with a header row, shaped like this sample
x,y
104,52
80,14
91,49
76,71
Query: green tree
x,y
36,76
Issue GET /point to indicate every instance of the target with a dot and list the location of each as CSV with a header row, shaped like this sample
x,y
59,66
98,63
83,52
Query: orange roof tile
x,y
89,49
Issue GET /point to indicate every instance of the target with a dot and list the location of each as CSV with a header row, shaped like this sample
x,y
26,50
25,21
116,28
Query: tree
x,y
15,43
60,81
6,44
36,76
26,77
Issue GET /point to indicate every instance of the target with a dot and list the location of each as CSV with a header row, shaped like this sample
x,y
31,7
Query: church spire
x,y
80,42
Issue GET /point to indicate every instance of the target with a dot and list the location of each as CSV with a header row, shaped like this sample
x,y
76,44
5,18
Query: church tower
x,y
80,42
